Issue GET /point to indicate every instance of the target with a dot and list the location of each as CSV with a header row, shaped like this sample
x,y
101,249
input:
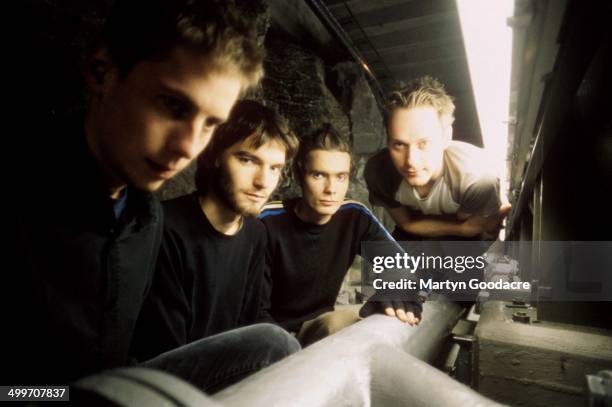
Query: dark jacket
x,y
77,275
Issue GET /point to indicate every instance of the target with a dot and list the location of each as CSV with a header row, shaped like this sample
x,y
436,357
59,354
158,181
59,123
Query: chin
x,y
249,210
417,182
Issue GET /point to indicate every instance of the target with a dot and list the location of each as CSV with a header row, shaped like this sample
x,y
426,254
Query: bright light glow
x,y
488,44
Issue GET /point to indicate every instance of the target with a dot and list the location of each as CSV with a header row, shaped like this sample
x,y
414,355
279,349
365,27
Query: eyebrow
x,y
190,103
246,154
394,140
329,173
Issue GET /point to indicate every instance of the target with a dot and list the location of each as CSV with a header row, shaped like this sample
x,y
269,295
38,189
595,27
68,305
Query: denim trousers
x,y
218,361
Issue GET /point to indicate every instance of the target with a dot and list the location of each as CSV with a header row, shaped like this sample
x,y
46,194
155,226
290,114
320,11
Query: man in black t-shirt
x,y
211,262
313,240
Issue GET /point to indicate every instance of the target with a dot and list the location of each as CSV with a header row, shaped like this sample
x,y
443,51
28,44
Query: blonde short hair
x,y
423,91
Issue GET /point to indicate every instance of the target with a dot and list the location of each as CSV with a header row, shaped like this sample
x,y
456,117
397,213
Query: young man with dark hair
x,y
431,185
313,240
211,262
86,227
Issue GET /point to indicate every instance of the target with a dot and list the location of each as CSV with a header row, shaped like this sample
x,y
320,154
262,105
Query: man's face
x,y
248,175
417,139
149,125
326,180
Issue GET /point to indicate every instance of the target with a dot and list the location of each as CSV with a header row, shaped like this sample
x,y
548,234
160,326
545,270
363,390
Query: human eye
x,y
173,106
342,177
423,144
277,168
316,175
245,159
397,145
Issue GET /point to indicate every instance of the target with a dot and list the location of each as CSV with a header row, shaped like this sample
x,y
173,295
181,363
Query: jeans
x,y
218,361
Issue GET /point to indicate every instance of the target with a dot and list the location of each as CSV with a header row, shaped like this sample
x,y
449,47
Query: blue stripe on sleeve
x,y
371,216
271,212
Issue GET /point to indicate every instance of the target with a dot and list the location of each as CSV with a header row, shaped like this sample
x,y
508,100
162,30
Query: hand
x,y
406,311
487,227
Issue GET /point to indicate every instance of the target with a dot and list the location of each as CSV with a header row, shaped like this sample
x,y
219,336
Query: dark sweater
x,y
306,263
79,276
205,283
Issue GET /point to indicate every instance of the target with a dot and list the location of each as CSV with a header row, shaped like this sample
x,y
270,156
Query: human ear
x,y
99,72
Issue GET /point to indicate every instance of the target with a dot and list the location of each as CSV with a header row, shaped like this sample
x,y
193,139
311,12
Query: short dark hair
x,y
247,118
138,30
325,138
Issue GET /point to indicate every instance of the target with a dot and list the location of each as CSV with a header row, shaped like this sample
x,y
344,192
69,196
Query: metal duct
x,y
378,361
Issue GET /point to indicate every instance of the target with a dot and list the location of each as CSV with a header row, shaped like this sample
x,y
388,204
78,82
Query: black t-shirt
x,y
306,263
205,283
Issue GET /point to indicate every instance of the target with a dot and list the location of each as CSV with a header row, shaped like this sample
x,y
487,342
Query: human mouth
x,y
162,171
411,173
256,197
328,203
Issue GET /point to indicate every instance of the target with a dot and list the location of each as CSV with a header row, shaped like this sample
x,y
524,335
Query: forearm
x,y
432,227
429,225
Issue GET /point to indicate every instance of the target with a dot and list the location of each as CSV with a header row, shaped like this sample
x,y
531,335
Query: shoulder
x,y
351,205
273,208
277,214
379,164
355,210
467,158
382,179
180,203
180,213
466,164
366,220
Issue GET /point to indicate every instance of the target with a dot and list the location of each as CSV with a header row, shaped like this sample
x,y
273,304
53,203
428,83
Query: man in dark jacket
x,y
85,228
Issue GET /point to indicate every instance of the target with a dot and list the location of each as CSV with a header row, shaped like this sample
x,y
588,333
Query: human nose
x,y
330,187
263,179
411,157
191,138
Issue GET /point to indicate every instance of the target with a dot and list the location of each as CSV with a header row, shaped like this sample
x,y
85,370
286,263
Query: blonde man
x,y
431,185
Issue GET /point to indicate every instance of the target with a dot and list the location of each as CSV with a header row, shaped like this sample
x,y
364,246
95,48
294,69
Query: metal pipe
x,y
451,358
378,361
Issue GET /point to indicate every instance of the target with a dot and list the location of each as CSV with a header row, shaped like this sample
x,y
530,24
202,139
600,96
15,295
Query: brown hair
x,y
247,118
325,138
138,30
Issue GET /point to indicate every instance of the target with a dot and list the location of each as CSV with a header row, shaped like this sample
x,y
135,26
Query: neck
x,y
423,190
306,214
113,184
222,218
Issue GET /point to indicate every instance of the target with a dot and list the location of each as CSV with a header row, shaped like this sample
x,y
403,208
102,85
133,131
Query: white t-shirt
x,y
468,184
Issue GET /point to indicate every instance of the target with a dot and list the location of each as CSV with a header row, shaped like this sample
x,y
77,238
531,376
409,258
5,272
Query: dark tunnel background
x,y
560,152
